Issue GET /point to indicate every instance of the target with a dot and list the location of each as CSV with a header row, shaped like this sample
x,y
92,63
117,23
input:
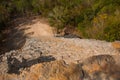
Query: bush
x,y
65,14
103,27
101,21
112,32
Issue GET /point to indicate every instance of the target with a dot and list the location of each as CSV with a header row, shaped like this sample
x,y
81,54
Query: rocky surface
x,y
38,55
45,49
101,67
75,49
37,51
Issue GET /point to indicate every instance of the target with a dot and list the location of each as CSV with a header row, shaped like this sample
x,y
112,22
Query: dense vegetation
x,y
99,19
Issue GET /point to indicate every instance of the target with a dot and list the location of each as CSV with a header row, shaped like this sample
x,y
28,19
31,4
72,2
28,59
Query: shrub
x,y
112,32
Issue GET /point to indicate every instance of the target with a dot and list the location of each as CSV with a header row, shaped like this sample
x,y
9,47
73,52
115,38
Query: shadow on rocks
x,y
15,65
14,36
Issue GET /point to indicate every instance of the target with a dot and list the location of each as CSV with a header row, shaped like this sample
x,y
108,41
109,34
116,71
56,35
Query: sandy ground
x,y
37,29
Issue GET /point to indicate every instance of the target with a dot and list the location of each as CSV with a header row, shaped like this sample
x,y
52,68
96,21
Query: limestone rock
x,y
102,67
116,45
61,59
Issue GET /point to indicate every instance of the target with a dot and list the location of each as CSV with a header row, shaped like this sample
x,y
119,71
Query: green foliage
x,y
65,13
100,20
112,32
58,16
93,18
22,5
